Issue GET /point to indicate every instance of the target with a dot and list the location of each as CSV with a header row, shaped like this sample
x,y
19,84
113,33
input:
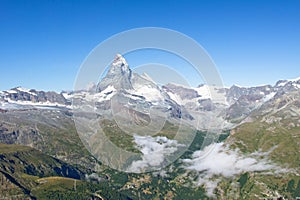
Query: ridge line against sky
x,y
43,43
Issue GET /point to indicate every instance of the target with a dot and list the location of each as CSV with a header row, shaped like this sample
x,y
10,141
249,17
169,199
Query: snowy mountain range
x,y
120,84
196,106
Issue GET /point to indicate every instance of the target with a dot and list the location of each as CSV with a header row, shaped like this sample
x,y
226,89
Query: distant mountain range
x,y
251,120
230,105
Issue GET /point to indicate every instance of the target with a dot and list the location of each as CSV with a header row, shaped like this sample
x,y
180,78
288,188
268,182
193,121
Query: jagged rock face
x,y
235,92
119,67
24,95
118,76
24,135
206,105
244,101
184,93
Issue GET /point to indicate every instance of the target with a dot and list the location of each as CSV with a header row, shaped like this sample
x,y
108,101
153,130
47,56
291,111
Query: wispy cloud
x,y
155,151
217,160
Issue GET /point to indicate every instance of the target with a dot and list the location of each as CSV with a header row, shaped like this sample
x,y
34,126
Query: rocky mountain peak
x,y
118,75
119,60
119,66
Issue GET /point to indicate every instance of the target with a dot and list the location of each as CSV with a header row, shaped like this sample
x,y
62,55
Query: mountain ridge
x,y
234,103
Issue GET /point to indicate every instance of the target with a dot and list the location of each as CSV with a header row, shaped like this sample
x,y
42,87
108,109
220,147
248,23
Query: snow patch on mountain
x,y
281,84
10,104
67,95
184,95
296,85
11,91
119,60
269,96
175,98
106,94
204,91
148,91
21,89
294,80
147,77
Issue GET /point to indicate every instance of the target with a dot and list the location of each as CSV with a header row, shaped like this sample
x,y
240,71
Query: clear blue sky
x,y
43,43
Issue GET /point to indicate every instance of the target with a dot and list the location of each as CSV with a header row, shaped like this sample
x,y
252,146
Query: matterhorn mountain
x,y
120,78
139,87
119,75
135,94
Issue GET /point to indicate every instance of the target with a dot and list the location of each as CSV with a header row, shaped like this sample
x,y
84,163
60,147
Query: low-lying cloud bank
x,y
155,151
212,163
218,160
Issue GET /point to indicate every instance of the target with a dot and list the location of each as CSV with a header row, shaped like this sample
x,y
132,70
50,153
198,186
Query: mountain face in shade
x,y
119,75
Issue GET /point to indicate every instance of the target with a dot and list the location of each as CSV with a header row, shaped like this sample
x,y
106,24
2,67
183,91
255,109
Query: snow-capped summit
x,y
119,60
288,84
295,79
119,67
125,82
118,75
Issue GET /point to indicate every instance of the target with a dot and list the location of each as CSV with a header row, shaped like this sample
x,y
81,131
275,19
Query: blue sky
x,y
44,42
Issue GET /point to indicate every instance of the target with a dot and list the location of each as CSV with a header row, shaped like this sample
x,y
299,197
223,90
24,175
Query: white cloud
x,y
154,150
94,177
218,160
